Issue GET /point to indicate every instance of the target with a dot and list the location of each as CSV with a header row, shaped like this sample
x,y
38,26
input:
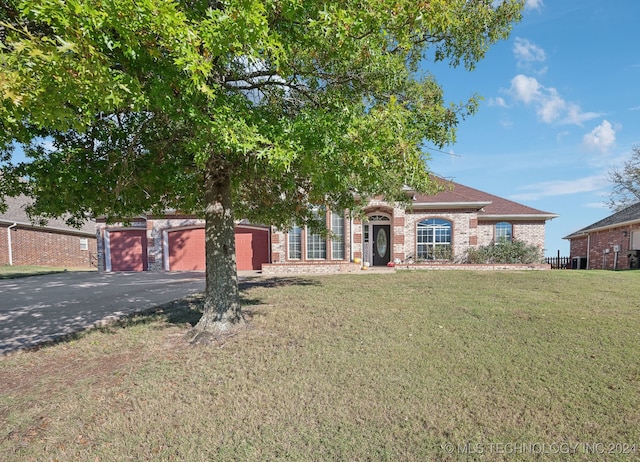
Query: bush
x,y
505,252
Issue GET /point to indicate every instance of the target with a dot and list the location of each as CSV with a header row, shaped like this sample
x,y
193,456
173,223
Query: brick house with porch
x,y
432,229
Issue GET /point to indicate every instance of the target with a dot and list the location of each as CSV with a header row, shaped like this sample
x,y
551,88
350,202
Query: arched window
x,y
378,218
433,239
504,232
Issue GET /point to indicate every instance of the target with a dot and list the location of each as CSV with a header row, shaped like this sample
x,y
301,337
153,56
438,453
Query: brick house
x,y
434,229
611,243
56,244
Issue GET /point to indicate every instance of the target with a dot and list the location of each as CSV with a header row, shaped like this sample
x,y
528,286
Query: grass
x,y
12,272
412,366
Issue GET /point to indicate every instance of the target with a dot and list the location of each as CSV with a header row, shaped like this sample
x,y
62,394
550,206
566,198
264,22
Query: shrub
x,y
506,252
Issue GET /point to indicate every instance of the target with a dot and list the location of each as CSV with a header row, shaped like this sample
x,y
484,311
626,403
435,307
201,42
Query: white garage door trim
x,y
107,243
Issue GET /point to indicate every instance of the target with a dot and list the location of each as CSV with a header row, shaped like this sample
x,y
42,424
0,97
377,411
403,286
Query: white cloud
x,y
561,188
596,205
534,4
602,138
549,105
498,101
506,123
525,89
577,117
527,52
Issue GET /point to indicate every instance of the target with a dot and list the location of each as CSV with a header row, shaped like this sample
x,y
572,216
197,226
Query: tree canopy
x,y
256,108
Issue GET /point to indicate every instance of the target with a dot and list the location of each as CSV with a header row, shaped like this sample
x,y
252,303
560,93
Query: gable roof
x,y
489,206
626,216
16,214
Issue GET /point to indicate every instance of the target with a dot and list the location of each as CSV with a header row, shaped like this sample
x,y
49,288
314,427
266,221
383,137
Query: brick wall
x,y
46,248
278,246
532,233
578,247
463,230
4,252
602,246
320,267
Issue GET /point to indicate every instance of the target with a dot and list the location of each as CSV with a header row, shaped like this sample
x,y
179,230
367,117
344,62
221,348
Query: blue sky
x,y
561,108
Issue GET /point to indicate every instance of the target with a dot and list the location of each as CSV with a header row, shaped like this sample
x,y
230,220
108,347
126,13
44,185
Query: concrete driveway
x,y
40,308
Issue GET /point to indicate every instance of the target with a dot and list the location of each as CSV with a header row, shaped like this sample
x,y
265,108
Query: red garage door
x,y
186,250
252,248
128,250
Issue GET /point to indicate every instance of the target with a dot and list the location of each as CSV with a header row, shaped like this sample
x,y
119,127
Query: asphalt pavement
x,y
37,309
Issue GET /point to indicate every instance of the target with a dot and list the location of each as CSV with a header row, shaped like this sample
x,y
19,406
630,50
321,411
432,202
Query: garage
x,y
252,247
127,250
186,248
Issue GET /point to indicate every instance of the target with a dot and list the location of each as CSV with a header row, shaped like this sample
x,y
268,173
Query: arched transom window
x,y
378,218
433,239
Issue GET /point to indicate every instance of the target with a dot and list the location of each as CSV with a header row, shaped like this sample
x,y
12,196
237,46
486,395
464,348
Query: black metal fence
x,y
559,262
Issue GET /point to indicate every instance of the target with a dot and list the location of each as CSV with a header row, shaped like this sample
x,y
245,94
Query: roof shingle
x,y
16,214
626,215
495,205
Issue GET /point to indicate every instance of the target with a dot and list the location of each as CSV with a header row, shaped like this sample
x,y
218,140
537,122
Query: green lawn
x,y
12,272
416,366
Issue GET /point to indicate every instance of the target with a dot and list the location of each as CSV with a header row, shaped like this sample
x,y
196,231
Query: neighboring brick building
x,y
611,243
56,244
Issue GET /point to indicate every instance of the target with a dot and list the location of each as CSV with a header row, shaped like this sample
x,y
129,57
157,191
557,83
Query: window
x,y
316,247
504,232
378,218
317,243
337,237
635,240
434,239
295,243
84,243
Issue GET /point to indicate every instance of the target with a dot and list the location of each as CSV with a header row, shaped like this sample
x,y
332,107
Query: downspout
x,y
588,251
9,243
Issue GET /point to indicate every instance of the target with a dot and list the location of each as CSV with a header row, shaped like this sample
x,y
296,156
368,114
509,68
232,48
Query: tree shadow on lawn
x,y
184,312
189,310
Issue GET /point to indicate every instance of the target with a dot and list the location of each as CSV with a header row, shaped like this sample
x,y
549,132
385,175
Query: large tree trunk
x,y
222,309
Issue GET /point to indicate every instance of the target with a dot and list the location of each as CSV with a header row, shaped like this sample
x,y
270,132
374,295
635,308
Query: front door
x,y
381,245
